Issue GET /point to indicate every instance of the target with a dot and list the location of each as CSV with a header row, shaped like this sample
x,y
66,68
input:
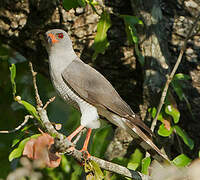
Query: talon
x,y
86,154
84,151
86,157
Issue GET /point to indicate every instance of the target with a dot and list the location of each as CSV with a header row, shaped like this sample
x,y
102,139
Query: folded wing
x,y
97,90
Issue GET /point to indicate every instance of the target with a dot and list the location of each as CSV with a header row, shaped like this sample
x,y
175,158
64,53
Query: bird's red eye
x,y
60,35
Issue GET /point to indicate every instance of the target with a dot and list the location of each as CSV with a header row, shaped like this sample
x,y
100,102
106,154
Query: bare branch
x,y
38,100
49,101
170,77
26,118
109,166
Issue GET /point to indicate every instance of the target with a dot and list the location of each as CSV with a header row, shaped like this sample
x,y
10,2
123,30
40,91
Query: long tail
x,y
146,142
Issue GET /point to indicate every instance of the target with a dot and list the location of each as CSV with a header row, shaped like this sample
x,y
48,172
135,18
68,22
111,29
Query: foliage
x,y
92,170
17,152
181,160
130,22
98,148
170,116
100,40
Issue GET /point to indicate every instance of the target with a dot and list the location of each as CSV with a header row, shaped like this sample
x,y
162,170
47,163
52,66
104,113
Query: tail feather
x,y
146,142
137,121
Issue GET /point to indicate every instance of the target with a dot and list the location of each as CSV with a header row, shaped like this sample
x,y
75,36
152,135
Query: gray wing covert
x,y
97,90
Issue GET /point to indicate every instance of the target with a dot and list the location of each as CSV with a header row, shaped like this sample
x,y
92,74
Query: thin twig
x,y
26,118
49,101
38,100
170,77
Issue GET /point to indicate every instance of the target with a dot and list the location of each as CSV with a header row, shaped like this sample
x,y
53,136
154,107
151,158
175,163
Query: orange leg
x,y
70,137
87,139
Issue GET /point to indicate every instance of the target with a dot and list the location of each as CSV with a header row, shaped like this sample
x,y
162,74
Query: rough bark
x,y
21,23
154,47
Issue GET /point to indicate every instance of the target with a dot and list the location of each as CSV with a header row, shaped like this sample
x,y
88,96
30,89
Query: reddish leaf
x,y
28,149
39,149
167,124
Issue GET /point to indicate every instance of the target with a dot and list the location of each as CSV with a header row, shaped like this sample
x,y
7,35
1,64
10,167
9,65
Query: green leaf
x,y
178,89
76,174
12,78
98,173
130,22
98,148
133,166
93,171
65,164
133,34
181,160
188,141
18,151
136,156
181,76
177,86
17,139
145,165
139,55
30,108
100,40
135,159
69,4
170,110
153,113
92,2
20,135
162,131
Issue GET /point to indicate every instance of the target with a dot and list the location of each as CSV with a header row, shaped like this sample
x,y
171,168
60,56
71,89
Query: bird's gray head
x,y
58,39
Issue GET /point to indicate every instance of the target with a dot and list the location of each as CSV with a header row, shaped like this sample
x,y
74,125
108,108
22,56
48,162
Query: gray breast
x,y
63,90
68,95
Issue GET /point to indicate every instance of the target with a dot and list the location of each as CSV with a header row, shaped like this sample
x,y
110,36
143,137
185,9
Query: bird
x,y
83,87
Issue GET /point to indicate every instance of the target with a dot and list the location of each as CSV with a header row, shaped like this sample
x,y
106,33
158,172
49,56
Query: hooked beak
x,y
51,38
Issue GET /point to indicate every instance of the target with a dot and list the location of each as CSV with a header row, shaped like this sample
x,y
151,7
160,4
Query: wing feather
x,y
97,90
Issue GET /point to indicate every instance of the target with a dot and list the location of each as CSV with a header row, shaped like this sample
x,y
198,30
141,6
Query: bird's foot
x,y
85,153
86,156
